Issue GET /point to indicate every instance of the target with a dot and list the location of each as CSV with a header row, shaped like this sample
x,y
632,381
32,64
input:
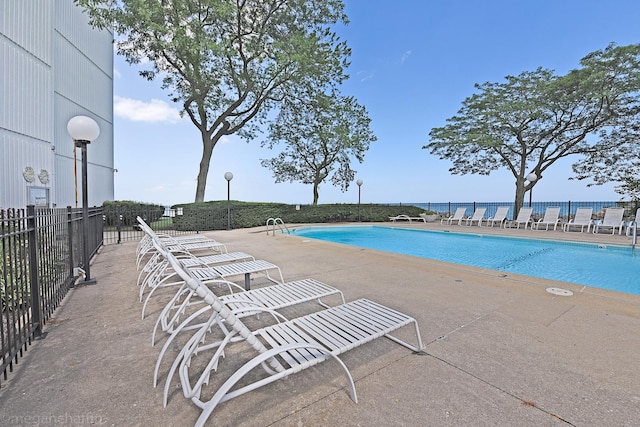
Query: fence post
x,y
119,222
34,278
70,243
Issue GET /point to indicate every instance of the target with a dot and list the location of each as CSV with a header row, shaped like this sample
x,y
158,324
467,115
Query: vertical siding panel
x,y
53,66
81,52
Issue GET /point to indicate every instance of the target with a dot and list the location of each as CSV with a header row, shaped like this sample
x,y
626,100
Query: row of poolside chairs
x,y
203,311
613,219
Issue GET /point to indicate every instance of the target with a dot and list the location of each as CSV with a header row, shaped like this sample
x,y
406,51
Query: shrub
x,y
128,211
213,215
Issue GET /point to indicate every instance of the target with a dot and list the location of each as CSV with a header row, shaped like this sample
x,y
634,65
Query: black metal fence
x,y
39,250
121,225
567,208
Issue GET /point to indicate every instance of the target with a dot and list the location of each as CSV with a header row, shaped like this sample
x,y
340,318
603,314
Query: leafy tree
x,y
622,165
630,186
534,119
228,62
322,136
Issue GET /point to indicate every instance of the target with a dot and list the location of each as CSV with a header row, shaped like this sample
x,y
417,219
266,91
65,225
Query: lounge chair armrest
x,y
239,311
230,285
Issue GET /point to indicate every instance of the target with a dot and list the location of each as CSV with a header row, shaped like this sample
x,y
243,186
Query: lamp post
x,y
83,130
532,177
359,182
228,176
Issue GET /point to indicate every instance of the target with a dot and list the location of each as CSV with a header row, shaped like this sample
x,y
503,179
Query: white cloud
x,y
140,111
227,139
405,55
364,76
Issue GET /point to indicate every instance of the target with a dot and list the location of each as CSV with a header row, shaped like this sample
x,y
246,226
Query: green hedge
x,y
213,215
128,211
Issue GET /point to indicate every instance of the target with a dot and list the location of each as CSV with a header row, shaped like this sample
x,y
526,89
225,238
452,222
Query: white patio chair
x,y
457,216
612,219
630,224
551,217
478,216
581,219
524,217
500,217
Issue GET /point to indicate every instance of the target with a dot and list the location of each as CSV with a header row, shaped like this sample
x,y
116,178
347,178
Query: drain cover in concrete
x,y
560,292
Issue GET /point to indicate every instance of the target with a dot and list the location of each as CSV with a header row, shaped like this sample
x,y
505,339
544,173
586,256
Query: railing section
x,y
39,249
567,208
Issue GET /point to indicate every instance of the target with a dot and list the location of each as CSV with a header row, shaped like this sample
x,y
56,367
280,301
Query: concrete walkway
x,y
501,351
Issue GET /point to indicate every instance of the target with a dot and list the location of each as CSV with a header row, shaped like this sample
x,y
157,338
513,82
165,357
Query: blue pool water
x,y
602,266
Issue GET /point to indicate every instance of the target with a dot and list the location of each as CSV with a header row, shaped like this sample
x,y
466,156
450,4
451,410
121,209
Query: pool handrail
x,y
277,222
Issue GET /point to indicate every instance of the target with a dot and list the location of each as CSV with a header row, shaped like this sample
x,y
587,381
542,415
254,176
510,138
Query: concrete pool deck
x,y
501,351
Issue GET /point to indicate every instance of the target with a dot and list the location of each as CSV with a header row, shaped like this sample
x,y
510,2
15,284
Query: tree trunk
x,y
519,201
315,193
207,150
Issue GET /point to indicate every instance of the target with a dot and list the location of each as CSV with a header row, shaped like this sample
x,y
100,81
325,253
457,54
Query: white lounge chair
x,y
478,216
457,216
241,305
500,217
630,224
551,217
407,218
187,243
285,295
182,243
612,219
524,217
162,277
156,267
220,271
282,349
209,260
581,219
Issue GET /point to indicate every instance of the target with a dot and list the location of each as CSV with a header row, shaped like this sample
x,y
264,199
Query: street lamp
x,y
83,130
532,177
359,182
228,176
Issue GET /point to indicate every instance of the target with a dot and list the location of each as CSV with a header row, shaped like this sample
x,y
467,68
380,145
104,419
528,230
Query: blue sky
x,y
413,62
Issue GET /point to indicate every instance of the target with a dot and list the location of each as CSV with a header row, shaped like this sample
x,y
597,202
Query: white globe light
x,y
228,176
83,128
359,182
532,177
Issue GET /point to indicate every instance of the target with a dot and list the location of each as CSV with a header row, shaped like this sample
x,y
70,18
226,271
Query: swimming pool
x,y
602,266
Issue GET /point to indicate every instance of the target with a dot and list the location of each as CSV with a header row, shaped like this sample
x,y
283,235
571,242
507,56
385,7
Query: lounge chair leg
x,y
222,394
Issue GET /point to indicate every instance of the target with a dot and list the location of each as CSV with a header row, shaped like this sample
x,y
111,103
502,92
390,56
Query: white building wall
x,y
53,66
81,51
26,101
